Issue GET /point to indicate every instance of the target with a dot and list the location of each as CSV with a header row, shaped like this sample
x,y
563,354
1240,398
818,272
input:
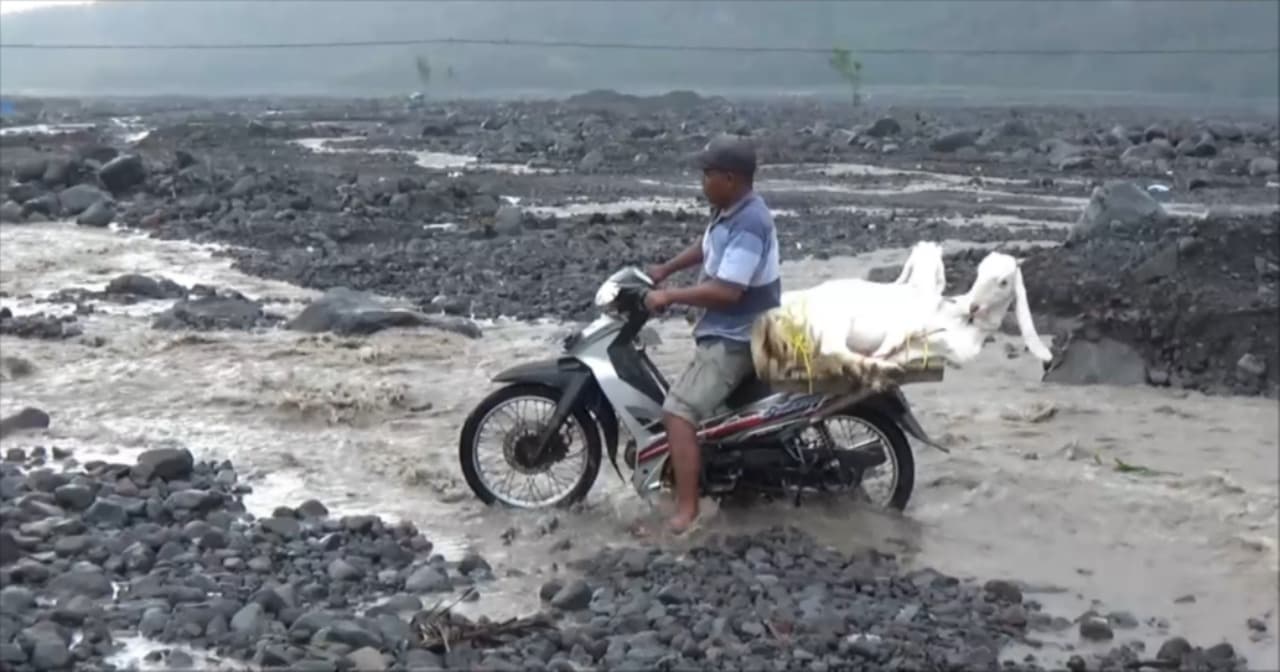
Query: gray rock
x,y
106,513
884,127
954,141
15,600
288,528
99,214
136,284
1251,365
81,581
352,634
508,221
591,161
185,500
1095,629
81,197
1003,591
345,311
74,496
574,596
367,659
1115,207
221,311
48,650
11,213
27,419
341,570
473,562
1102,362
1263,166
427,580
243,187
122,173
74,612
250,620
1174,649
313,509
168,464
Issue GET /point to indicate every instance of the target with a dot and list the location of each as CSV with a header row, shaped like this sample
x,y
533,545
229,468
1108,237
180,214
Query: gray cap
x,y
732,153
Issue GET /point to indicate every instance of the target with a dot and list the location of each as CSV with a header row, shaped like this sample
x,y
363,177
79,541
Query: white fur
x,y
898,321
924,268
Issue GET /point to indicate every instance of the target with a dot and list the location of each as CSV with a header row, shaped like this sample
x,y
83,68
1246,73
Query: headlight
x,y
606,294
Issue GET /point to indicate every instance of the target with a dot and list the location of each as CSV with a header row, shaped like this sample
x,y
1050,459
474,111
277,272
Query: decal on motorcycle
x,y
735,425
803,404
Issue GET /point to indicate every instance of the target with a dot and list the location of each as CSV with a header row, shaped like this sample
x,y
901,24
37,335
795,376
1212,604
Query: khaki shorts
x,y
718,367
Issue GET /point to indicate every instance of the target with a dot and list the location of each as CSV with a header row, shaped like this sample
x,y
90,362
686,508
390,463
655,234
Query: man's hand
x,y
657,273
657,300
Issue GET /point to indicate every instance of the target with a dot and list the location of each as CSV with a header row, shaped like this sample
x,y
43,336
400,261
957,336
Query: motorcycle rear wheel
x,y
897,452
473,429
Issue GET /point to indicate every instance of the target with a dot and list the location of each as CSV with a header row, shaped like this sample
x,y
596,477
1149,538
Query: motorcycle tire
x,y
898,446
471,431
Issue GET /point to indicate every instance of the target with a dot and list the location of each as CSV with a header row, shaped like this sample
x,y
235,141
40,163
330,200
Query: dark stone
x,y
122,173
345,311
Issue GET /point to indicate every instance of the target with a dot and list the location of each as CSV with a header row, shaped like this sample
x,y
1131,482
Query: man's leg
x,y
716,370
686,463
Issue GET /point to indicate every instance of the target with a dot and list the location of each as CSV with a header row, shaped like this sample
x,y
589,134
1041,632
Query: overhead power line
x,y
559,44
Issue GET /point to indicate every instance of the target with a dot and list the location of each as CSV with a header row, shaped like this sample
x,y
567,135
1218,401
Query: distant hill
x,y
491,69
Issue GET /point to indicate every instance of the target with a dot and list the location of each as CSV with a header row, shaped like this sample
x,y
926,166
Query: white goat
x,y
924,268
841,321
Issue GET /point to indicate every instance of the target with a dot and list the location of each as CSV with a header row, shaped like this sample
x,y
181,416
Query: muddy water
x,y
1030,490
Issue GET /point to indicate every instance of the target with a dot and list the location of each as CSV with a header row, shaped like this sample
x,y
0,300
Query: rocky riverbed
x,y
251,277
164,548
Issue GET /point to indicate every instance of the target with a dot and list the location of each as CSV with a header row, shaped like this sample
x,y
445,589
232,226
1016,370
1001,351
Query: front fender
x,y
571,376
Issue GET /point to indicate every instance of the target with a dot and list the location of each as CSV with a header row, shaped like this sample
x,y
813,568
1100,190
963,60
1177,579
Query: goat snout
x,y
974,309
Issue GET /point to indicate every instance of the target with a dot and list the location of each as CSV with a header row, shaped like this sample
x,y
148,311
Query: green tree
x,y
850,70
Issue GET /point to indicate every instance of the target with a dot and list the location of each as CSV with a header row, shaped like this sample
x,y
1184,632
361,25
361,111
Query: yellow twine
x,y
798,338
924,346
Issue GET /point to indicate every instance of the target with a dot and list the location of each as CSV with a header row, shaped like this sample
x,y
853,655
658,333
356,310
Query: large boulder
x,y
223,310
77,199
1116,206
1263,165
27,418
1101,362
11,213
122,173
345,311
99,214
136,284
954,140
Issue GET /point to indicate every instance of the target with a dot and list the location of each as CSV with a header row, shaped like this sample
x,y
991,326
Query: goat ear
x,y
1022,309
1019,260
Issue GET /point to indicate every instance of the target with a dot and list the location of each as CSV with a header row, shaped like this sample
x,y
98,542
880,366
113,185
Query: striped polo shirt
x,y
740,247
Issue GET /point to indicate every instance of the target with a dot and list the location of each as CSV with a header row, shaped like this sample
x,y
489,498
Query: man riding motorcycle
x,y
739,280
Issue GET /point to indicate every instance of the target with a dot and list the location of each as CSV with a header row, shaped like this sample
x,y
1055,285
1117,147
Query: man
x,y
739,280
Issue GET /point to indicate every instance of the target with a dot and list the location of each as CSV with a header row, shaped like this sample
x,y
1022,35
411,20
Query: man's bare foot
x,y
681,522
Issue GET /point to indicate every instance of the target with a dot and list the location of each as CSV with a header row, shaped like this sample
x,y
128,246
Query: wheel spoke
x,y
502,454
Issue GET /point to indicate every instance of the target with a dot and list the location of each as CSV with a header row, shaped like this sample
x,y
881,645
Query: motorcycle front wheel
x,y
874,444
502,432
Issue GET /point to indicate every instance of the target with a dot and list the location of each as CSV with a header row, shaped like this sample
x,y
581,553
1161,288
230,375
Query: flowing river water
x,y
370,425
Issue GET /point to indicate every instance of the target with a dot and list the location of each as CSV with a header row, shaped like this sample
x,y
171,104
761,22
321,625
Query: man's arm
x,y
691,256
737,266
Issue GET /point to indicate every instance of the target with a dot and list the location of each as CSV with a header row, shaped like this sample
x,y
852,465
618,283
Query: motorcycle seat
x,y
749,391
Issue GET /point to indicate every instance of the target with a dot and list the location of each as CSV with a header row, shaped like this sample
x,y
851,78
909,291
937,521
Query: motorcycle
x,y
780,444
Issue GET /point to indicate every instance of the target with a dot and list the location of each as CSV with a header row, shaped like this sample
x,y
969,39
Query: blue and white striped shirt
x,y
740,247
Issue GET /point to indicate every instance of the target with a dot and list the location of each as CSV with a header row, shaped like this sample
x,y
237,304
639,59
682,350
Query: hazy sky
x,y
7,6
